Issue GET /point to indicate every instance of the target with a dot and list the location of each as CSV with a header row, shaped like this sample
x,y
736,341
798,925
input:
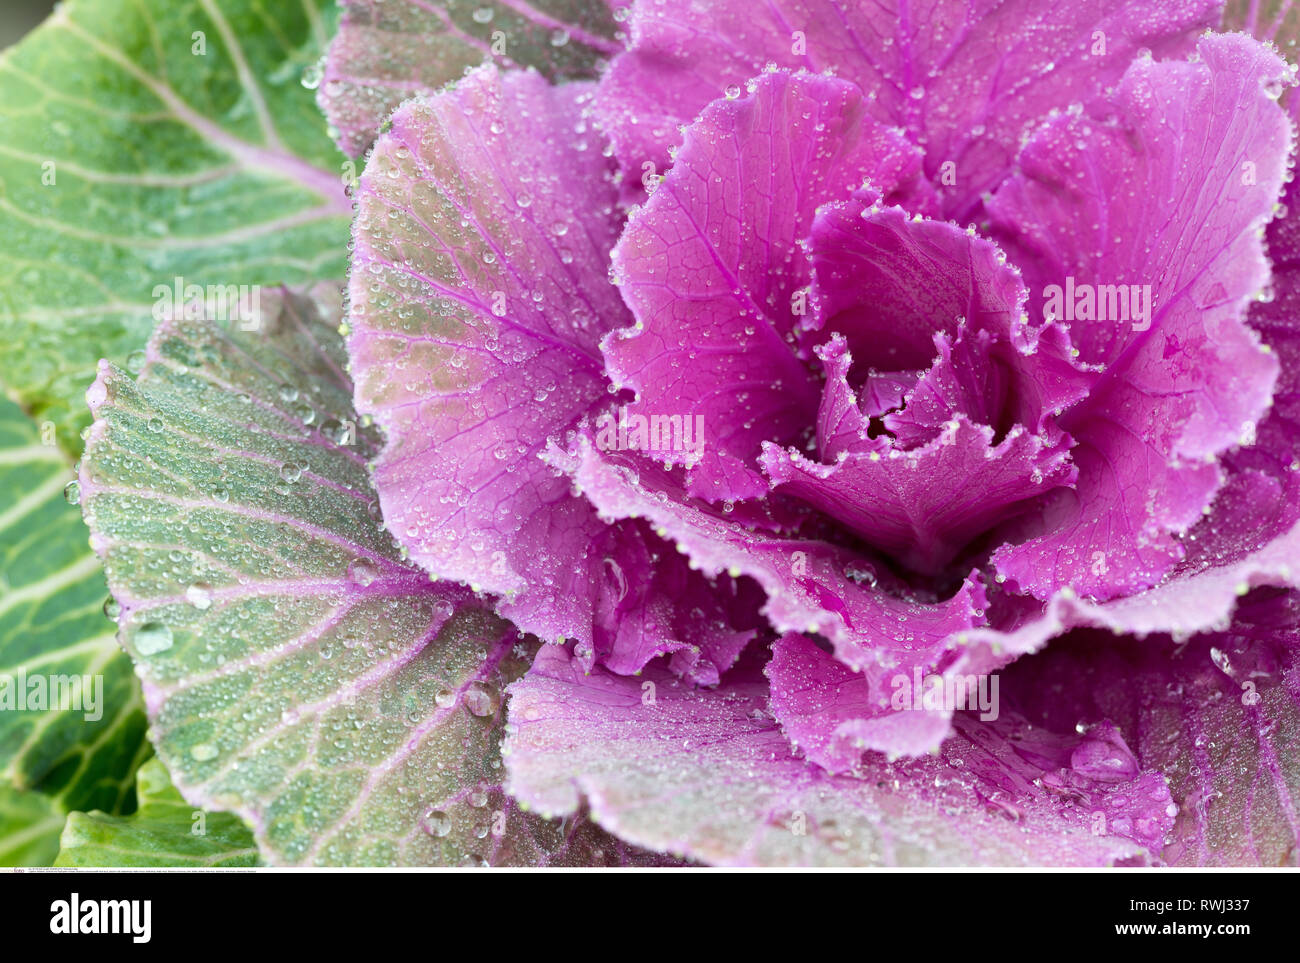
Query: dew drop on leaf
x,y
361,572
199,595
436,823
481,699
152,637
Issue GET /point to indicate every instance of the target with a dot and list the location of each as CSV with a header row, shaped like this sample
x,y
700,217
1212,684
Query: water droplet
x,y
199,595
72,493
336,431
481,699
152,638
111,608
436,823
361,572
311,76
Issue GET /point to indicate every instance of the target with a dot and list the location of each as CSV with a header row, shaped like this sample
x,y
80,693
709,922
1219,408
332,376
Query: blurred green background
x,y
19,16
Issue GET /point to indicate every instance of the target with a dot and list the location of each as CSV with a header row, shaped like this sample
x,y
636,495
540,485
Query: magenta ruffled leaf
x,y
811,585
934,318
905,504
844,416
1218,715
893,290
713,272
843,420
649,602
386,51
709,774
478,298
1187,604
1260,500
830,713
826,712
1000,377
1188,156
963,80
891,283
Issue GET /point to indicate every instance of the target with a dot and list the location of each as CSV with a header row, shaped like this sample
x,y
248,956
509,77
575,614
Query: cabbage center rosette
x,y
794,465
